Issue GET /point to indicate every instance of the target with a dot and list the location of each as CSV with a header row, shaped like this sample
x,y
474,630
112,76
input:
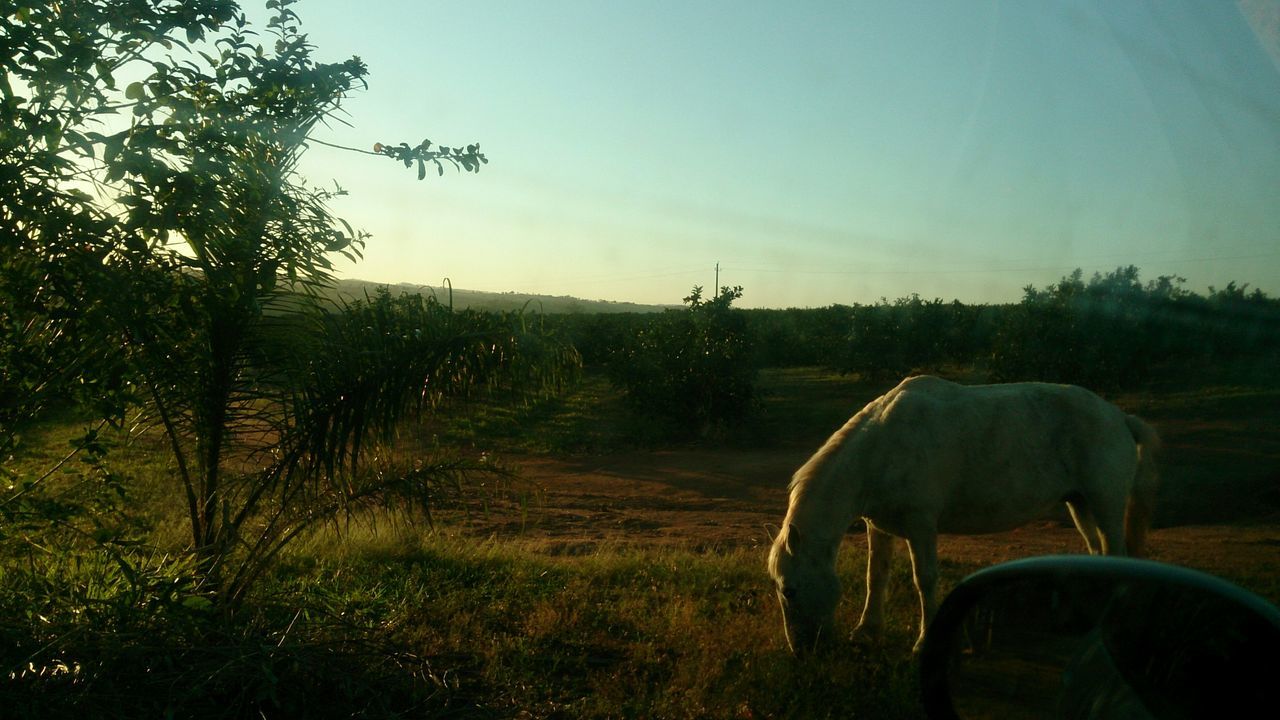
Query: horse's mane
x,y
831,451
815,503
804,479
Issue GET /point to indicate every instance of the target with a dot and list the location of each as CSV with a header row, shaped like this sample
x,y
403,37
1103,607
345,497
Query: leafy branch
x,y
467,159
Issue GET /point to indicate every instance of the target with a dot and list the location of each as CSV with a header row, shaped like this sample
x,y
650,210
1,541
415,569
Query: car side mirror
x,y
1100,637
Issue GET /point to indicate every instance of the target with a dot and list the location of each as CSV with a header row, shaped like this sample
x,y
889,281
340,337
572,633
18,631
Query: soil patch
x,y
725,499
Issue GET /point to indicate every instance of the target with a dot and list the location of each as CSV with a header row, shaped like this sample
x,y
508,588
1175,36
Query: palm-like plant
x,y
314,395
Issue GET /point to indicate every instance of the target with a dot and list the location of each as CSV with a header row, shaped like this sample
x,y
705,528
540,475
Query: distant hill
x,y
478,300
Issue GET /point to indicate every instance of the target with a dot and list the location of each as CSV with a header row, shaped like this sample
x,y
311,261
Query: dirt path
x,y
722,499
681,498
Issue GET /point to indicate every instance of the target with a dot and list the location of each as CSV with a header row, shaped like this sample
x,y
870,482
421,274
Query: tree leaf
x,y
135,91
103,69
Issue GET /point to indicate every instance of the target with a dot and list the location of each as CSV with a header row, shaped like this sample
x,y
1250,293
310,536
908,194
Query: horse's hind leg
x,y
1107,514
1111,530
1085,523
879,558
923,543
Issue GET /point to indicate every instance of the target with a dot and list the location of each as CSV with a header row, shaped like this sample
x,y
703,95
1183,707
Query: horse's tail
x,y
1142,495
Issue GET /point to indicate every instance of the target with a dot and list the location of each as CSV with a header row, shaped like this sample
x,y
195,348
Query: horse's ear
x,y
772,531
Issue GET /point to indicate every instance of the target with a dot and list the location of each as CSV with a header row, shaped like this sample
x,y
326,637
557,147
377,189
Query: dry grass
x,y
615,633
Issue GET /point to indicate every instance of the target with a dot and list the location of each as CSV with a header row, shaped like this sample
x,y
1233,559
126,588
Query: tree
x,y
180,257
910,335
1109,332
690,369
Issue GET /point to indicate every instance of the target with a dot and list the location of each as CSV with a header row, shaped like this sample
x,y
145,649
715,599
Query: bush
x,y
84,638
597,336
1113,331
910,335
800,337
689,370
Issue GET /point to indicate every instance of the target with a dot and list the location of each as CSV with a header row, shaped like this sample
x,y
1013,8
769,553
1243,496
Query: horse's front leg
x,y
923,543
879,559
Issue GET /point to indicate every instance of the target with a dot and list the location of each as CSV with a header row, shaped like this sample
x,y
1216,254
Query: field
x,y
662,607
612,577
1220,468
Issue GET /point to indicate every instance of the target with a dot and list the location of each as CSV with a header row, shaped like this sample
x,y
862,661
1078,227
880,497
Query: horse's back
x,y
991,457
948,411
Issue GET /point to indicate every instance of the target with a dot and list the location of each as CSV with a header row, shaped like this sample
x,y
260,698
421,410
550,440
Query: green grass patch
x,y
588,417
618,633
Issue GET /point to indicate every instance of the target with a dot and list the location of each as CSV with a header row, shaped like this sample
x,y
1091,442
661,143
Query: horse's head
x,y
807,589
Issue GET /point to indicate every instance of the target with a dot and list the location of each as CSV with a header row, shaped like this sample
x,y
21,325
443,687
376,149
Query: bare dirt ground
x,y
725,499
1218,508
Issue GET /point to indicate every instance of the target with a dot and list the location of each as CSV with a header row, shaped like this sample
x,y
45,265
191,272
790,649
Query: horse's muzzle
x,y
807,641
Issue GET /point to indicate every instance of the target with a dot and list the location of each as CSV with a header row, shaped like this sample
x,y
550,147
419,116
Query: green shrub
x,y
911,335
1114,331
689,370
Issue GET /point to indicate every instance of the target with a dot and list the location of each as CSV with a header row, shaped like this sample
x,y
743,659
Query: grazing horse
x,y
931,457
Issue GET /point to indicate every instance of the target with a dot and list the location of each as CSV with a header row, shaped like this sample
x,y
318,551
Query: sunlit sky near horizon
x,y
822,152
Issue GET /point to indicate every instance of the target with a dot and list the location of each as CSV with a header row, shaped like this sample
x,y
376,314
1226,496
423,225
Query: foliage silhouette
x,y
687,371
159,250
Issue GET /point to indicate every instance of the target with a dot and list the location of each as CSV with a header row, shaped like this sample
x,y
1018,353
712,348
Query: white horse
x,y
931,457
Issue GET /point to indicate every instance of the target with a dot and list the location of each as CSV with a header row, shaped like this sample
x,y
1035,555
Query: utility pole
x,y
715,291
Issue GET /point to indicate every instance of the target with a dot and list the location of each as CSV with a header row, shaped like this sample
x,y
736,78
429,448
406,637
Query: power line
x,y
978,271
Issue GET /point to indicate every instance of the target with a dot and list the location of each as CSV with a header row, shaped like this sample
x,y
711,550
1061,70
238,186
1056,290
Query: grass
x,y
589,417
393,619
618,633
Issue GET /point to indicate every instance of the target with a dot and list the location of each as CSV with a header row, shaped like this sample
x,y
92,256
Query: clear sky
x,y
821,152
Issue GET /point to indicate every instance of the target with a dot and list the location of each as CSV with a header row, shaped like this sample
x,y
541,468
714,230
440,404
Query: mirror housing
x,y
1100,637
